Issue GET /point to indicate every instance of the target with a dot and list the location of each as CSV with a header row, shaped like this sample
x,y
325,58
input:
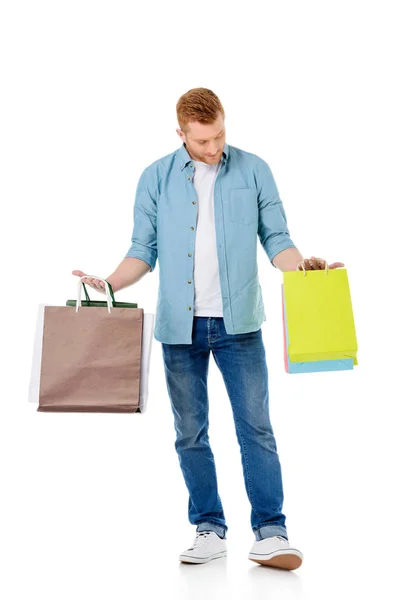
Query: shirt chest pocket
x,y
243,207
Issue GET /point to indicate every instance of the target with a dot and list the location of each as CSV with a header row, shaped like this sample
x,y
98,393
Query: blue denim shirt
x,y
246,205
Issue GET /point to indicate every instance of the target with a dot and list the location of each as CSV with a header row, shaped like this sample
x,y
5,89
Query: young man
x,y
199,211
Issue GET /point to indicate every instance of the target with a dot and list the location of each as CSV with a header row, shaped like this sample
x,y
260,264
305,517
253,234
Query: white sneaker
x,y
206,546
276,552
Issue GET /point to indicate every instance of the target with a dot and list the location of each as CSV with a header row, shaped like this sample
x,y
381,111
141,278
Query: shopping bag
x,y
319,315
311,366
148,329
89,359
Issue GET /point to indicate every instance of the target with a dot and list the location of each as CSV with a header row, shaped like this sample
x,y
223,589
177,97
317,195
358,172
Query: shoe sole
x,y
194,559
285,560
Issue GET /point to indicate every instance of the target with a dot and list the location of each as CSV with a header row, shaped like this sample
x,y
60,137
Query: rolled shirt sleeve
x,y
272,231
144,235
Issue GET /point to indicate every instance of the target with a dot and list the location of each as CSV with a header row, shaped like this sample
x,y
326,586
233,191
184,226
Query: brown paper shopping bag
x,y
91,355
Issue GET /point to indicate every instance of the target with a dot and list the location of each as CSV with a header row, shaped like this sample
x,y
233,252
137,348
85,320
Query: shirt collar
x,y
184,156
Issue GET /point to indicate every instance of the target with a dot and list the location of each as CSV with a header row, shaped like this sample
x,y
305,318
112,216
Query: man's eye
x,y
219,136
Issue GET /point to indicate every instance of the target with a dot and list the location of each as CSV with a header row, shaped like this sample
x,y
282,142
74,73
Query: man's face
x,y
205,142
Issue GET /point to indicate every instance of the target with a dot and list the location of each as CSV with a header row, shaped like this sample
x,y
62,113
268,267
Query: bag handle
x,y
105,281
108,290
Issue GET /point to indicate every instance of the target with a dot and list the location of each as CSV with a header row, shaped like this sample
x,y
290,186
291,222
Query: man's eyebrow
x,y
206,140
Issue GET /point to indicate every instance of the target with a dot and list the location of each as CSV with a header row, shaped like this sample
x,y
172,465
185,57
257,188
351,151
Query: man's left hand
x,y
315,264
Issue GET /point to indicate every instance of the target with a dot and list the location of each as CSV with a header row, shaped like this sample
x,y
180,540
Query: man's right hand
x,y
96,284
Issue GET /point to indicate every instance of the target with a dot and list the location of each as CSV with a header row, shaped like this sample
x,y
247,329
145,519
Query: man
x,y
199,211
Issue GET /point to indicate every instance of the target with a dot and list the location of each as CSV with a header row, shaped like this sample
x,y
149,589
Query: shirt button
x,y
189,177
191,229
194,202
191,164
189,254
189,281
189,308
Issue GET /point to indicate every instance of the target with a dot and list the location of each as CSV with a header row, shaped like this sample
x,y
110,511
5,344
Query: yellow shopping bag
x,y
319,315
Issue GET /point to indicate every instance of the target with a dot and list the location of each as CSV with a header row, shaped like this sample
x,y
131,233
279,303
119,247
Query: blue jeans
x,y
241,360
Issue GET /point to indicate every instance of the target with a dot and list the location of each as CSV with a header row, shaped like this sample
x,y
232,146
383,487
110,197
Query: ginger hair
x,y
198,104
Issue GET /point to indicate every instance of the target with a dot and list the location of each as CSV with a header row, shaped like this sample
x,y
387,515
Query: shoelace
x,y
201,538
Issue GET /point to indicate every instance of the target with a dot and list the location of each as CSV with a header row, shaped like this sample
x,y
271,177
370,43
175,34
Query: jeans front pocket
x,y
243,207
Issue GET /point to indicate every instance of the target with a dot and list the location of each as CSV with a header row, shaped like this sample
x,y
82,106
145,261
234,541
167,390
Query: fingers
x,y
314,264
96,284
317,263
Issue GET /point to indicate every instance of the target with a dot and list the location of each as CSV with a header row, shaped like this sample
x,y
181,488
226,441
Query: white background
x,y
94,505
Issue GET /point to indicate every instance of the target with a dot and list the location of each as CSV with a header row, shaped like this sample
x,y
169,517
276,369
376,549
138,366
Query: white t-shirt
x,y
207,288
